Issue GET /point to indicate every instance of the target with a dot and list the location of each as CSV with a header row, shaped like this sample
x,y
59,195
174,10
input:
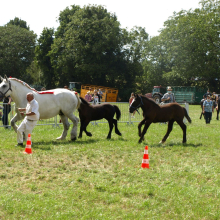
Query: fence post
x,y
187,107
55,122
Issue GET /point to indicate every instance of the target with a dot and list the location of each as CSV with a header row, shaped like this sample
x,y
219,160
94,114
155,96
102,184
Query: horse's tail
x,y
118,112
79,101
187,116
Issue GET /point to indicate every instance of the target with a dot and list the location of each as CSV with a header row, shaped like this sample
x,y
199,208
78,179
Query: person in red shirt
x,y
88,97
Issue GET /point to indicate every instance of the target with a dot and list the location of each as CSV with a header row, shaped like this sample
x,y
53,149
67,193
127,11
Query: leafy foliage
x,y
16,51
186,49
90,47
42,57
18,22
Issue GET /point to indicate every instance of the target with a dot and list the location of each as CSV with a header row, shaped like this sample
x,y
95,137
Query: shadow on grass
x,y
46,145
64,142
176,144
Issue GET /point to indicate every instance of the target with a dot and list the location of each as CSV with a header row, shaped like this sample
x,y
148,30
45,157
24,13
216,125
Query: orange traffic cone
x,y
28,145
145,161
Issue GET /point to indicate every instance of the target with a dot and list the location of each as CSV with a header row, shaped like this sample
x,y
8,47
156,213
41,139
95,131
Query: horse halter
x,y
9,88
136,108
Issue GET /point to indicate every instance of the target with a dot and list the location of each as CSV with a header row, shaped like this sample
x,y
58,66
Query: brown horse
x,y
154,113
88,112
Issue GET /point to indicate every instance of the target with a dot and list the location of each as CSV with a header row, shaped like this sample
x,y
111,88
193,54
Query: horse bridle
x,y
136,108
9,88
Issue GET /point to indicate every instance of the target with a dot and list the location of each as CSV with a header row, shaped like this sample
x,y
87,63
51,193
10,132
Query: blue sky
x,y
149,14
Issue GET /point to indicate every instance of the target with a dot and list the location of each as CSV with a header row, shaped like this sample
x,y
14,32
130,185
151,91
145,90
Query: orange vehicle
x,y
109,94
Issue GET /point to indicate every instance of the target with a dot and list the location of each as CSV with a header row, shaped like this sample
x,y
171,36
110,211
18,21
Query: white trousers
x,y
25,127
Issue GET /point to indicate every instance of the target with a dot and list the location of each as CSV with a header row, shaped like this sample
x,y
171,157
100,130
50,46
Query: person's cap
x,y
208,96
169,88
88,92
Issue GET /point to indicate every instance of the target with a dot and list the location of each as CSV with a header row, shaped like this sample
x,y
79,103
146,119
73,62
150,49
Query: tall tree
x,y
137,42
187,48
35,73
18,22
90,48
42,50
16,51
191,38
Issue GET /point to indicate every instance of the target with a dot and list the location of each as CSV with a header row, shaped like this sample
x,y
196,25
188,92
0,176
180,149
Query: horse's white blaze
x,y
132,102
50,105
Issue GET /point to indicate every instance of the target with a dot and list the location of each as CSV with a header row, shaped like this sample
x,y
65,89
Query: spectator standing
x,y
208,108
169,96
100,95
95,98
130,101
88,97
1,112
206,94
6,110
214,99
30,120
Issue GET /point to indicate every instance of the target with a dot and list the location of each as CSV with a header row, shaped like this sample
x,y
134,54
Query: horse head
x,y
5,87
136,103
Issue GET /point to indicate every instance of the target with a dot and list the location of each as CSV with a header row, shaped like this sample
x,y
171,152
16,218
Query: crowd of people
x,y
94,96
209,101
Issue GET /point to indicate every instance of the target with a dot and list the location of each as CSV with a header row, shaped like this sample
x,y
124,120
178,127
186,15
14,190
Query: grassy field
x,y
96,178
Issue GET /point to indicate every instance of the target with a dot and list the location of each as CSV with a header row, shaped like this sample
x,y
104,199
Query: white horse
x,y
51,103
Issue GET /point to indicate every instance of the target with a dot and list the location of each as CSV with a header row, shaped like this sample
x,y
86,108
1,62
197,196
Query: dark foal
x,y
88,112
154,113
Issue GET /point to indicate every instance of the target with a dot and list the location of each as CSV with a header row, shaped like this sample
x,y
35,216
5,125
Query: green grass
x,y
96,178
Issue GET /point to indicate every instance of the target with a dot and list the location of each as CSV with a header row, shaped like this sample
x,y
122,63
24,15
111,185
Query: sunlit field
x,y
96,178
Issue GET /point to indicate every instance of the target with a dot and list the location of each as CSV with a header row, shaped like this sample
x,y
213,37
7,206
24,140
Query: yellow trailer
x,y
109,94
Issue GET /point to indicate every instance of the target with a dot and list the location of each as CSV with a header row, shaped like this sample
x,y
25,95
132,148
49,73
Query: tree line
x,y
90,47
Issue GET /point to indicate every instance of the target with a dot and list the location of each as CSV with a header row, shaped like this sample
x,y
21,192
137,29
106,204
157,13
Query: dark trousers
x,y
208,117
6,111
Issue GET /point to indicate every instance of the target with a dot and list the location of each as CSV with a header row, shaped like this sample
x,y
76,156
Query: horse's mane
x,y
84,101
150,100
23,83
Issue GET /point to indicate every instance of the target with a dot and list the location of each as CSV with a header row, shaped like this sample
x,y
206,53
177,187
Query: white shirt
x,y
96,99
33,106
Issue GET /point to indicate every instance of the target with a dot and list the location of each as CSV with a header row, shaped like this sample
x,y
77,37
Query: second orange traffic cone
x,y
28,145
145,161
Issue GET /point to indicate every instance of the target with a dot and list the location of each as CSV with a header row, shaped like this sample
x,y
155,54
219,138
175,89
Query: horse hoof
x,y
60,138
80,137
89,134
161,142
73,139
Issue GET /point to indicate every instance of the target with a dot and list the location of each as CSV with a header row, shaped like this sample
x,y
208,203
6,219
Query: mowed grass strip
x,y
96,178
